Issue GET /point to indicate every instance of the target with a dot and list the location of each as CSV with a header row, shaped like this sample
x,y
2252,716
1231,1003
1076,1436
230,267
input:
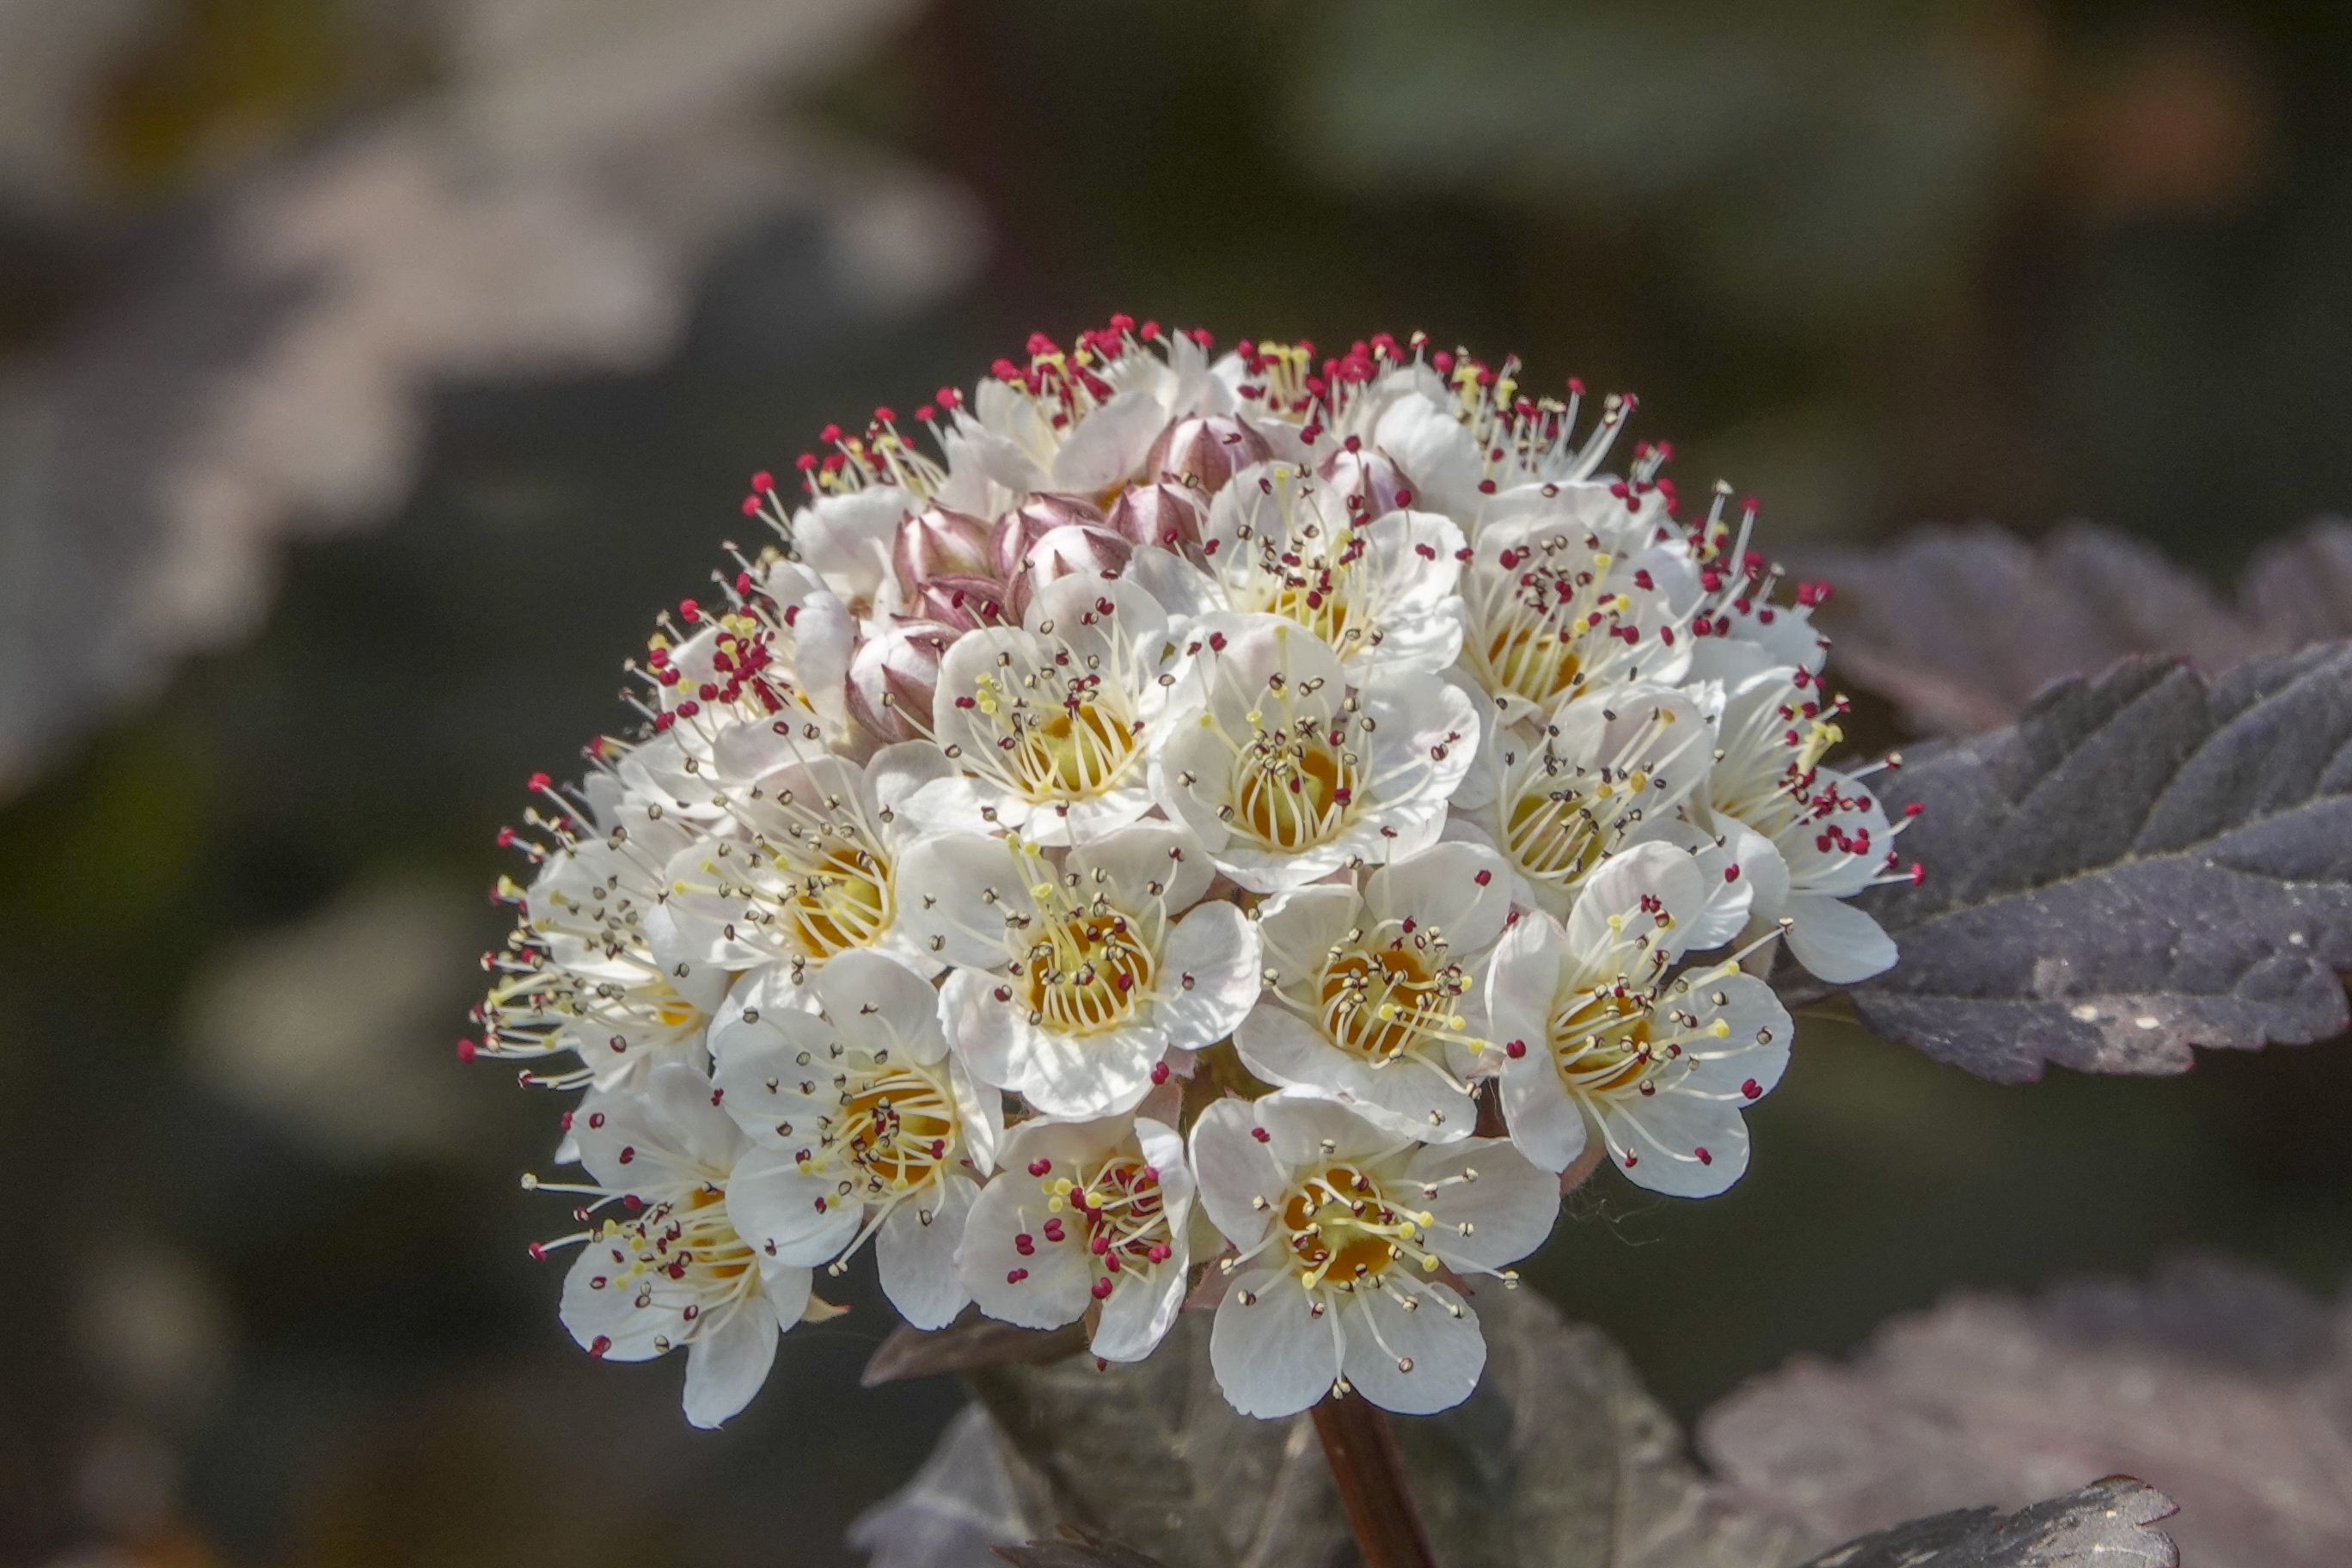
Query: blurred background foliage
x,y
1880,261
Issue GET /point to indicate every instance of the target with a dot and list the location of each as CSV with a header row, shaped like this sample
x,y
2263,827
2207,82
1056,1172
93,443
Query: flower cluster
x,y
1234,832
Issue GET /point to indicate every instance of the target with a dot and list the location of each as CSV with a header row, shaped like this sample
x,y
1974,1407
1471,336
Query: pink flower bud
x,y
1370,476
940,543
962,602
1025,524
894,677
1168,516
1075,547
1204,451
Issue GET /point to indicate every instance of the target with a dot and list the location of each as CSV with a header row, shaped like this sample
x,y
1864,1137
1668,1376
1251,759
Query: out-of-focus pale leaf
x,y
2228,1387
1962,627
2138,866
971,1342
960,1507
1084,1549
1559,1458
2103,1525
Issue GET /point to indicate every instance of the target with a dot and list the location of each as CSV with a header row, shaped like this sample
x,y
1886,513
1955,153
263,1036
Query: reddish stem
x,y
1370,1474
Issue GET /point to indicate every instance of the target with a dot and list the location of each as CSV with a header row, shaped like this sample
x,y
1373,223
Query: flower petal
x,y
1272,1356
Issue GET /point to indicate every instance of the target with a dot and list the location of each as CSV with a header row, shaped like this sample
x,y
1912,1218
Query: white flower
x,y
1085,1214
1077,422
779,656
1373,997
1830,837
1557,802
1340,1229
808,868
675,1271
1052,723
1376,583
1076,982
1469,436
1598,1031
578,972
1568,595
865,1126
1286,773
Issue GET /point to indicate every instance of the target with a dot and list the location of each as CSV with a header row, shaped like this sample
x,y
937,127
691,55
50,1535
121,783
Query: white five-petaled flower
x,y
779,655
1050,725
579,973
1075,981
674,1271
865,1127
1558,800
1287,773
1374,582
1375,998
1599,1033
808,865
1829,838
1566,594
1086,1215
1340,1230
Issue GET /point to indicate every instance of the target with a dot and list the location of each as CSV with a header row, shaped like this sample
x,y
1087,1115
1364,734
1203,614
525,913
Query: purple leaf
x,y
2138,866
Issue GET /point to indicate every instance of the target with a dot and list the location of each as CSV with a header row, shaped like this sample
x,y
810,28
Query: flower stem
x,y
1370,1471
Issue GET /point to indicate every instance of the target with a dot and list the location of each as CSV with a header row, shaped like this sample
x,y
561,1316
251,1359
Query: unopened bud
x,y
1018,529
1369,476
940,543
1168,516
1093,551
1204,451
894,677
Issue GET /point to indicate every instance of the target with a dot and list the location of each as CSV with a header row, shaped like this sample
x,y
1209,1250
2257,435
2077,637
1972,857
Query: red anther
x,y
1515,1049
1704,1157
537,782
1731,873
1404,499
1160,1252
1121,322
1261,1134
751,506
1024,1244
689,710
1632,1159
1102,1289
689,611
1485,487
1752,1089
538,1253
1217,642
1098,1245
1919,873
1053,1229
884,417
1914,809
1149,331
1642,580
1014,1275
602,1344
628,1153
1039,1167
763,480
564,1121
1484,877
506,838
926,412
1443,361
466,1050
1158,1072
829,435
632,1202
1575,386
805,461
